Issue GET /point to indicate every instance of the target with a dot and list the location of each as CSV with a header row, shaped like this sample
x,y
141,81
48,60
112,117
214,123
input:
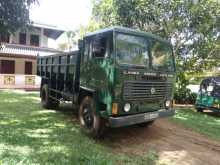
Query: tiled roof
x,y
26,50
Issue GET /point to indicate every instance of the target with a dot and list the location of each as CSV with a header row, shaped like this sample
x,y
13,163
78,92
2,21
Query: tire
x,y
91,124
146,124
46,101
199,109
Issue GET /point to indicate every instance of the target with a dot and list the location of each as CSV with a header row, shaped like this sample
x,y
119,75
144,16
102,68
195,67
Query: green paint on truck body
x,y
98,75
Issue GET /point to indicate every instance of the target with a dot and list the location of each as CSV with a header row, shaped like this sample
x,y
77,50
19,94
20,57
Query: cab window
x,y
99,47
86,51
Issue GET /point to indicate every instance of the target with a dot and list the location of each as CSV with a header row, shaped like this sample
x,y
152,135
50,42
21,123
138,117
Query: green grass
x,y
203,123
30,134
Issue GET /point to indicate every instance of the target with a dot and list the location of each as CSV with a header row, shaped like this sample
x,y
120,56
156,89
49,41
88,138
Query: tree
x,y
193,26
71,37
92,26
14,14
104,12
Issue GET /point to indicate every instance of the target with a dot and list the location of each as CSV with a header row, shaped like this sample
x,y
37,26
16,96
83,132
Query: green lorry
x,y
209,95
118,77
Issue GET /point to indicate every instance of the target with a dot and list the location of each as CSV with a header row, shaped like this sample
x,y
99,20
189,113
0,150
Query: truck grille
x,y
144,90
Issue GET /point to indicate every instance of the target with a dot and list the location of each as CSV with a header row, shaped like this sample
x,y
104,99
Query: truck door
x,y
97,62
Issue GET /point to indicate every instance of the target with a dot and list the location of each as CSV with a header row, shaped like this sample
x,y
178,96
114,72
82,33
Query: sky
x,y
66,14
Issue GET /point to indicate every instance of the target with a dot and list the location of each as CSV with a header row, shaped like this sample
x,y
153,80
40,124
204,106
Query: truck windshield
x,y
136,51
132,50
161,55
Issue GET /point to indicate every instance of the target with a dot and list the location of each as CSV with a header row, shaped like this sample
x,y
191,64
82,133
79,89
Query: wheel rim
x,y
87,116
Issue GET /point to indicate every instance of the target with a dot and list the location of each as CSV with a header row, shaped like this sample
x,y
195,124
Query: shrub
x,y
185,97
182,94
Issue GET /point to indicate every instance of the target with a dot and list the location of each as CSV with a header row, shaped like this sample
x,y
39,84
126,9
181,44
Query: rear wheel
x,y
46,101
90,122
146,124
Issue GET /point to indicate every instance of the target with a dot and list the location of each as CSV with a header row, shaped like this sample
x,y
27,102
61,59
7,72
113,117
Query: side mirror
x,y
80,44
99,47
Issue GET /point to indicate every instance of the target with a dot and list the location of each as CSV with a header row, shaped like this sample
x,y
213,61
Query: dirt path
x,y
175,144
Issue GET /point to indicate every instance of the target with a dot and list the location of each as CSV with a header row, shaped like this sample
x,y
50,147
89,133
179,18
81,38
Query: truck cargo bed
x,y
60,72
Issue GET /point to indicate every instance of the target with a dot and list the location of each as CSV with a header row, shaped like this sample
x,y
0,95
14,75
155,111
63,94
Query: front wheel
x,y
90,122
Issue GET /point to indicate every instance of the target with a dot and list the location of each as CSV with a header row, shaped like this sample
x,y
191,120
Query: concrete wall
x,y
20,64
19,81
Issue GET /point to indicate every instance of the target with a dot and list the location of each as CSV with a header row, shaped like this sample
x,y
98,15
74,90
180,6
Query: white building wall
x,y
14,39
45,41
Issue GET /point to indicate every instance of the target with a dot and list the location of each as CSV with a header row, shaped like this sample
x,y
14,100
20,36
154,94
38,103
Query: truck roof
x,y
128,31
211,79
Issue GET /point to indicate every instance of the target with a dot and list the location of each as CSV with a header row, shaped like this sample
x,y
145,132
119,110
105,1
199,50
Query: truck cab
x,y
132,74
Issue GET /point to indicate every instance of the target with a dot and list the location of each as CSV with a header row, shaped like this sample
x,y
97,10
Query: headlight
x,y
127,107
168,104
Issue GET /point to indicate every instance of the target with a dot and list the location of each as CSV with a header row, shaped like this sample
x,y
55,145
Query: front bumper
x,y
139,118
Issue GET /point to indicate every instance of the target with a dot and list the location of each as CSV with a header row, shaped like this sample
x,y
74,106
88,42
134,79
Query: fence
x,y
19,81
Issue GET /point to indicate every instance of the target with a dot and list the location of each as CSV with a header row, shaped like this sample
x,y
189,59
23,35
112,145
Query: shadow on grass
x,y
29,133
125,140
32,135
213,114
207,123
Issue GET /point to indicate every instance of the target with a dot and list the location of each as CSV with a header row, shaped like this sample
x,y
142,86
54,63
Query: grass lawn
x,y
203,123
30,134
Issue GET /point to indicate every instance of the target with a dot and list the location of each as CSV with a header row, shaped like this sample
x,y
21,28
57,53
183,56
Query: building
x,y
18,53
